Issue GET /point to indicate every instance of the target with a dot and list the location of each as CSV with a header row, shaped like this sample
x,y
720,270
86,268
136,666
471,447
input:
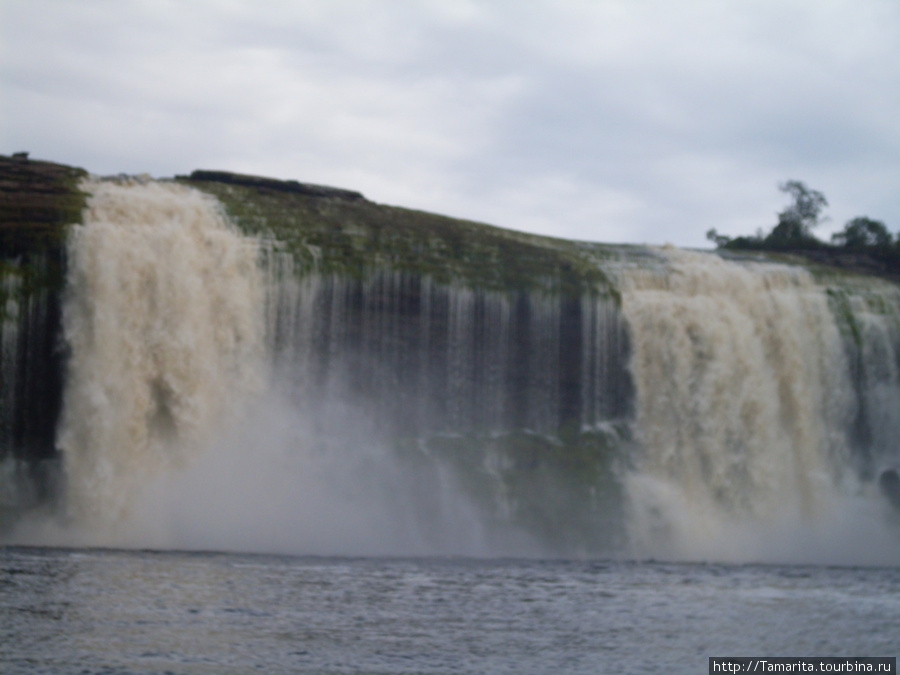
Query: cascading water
x,y
434,358
220,394
440,376
868,315
163,320
745,409
206,405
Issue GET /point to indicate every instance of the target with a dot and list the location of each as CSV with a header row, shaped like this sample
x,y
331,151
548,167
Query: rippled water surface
x,y
97,611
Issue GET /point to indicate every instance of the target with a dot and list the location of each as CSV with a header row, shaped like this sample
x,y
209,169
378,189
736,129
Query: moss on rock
x,y
37,200
337,231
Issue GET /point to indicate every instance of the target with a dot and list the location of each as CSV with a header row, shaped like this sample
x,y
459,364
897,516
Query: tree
x,y
796,222
863,232
720,240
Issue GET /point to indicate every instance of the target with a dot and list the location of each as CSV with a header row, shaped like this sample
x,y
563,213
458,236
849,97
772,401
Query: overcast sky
x,y
646,121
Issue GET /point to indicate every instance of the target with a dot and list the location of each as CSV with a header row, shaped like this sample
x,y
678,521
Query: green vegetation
x,y
342,233
863,233
795,223
37,201
863,242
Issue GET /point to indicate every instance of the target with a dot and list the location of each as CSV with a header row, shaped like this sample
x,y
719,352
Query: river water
x,y
130,611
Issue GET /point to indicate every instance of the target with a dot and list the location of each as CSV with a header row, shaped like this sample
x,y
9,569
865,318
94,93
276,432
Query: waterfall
x,y
439,358
868,315
226,391
606,386
217,396
163,322
745,404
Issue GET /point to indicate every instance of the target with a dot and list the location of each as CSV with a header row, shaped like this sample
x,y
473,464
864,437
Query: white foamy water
x,y
163,322
743,405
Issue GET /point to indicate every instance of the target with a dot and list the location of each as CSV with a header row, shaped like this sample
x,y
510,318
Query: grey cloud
x,y
642,120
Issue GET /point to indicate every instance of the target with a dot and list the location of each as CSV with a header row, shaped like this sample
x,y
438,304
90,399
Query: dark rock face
x,y
277,185
37,201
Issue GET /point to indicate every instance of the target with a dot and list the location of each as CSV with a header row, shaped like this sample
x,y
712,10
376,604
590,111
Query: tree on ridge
x,y
863,232
796,222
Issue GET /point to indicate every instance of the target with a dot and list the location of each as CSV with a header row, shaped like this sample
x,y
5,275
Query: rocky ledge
x,y
37,199
275,184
